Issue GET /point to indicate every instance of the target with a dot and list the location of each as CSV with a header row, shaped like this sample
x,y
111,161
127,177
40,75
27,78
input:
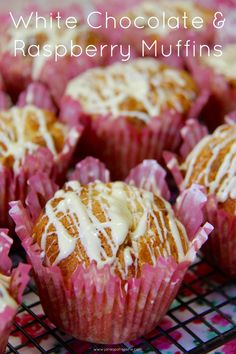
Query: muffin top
x,y
51,35
140,89
5,298
224,65
24,130
148,9
212,163
109,223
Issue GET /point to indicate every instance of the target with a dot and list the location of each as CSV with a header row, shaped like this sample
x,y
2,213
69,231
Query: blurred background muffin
x,y
20,70
212,163
131,111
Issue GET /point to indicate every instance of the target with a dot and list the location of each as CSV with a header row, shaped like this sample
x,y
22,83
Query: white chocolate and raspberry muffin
x,y
31,140
25,130
212,163
37,60
132,110
112,224
109,257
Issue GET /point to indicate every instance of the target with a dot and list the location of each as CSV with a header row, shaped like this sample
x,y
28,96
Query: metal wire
x,y
212,285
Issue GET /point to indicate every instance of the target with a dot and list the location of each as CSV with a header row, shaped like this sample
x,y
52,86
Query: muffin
x,y
11,288
218,75
18,70
131,111
211,163
31,139
158,34
109,257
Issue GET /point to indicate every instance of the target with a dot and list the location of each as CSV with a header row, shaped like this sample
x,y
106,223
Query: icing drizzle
x,y
113,224
213,163
141,89
24,130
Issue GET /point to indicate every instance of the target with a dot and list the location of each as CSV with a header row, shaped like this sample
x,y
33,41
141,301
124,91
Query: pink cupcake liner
x,y
95,305
38,95
18,280
191,134
220,247
119,143
5,101
89,170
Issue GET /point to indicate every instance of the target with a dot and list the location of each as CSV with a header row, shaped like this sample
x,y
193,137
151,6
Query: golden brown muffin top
x,y
212,163
225,64
140,89
24,130
113,223
170,8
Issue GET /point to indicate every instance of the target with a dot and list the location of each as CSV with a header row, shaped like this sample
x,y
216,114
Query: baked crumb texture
x,y
24,130
110,223
212,163
140,89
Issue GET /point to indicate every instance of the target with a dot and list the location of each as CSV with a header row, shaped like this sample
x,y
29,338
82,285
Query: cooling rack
x,y
201,319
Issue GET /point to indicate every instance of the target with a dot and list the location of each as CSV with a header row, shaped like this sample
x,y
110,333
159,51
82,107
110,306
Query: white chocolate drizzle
x,y
221,142
225,64
149,9
127,211
15,140
141,89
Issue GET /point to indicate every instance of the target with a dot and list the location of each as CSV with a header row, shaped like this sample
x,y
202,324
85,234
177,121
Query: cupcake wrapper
x,y
18,282
16,73
148,175
121,144
95,305
5,101
38,95
151,176
191,134
90,170
221,245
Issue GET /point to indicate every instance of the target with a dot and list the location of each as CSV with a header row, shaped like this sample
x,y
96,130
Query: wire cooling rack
x,y
201,319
